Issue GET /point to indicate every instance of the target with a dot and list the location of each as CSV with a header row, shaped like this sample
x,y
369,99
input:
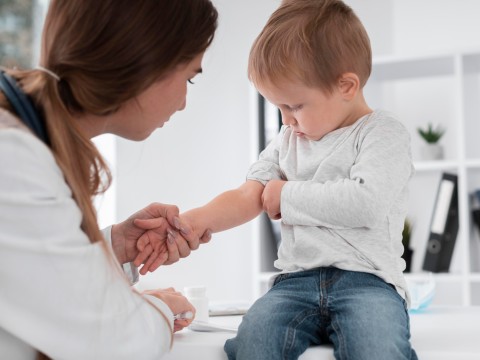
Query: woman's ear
x,y
349,85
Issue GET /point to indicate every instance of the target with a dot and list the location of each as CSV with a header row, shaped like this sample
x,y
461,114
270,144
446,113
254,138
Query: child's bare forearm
x,y
229,209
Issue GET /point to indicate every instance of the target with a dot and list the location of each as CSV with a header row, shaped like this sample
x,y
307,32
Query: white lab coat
x,y
59,293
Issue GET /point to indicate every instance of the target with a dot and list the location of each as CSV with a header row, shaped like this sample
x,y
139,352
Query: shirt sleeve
x,y
267,166
60,293
129,269
381,171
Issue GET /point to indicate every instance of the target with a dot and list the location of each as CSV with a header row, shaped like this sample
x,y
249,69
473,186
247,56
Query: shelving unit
x,y
441,89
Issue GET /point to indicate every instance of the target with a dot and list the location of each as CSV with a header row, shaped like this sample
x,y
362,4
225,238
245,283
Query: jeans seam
x,y
289,342
341,341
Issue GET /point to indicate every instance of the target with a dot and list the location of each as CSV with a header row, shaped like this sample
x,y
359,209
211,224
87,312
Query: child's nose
x,y
288,119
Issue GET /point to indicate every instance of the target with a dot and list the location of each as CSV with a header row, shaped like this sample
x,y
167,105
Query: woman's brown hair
x,y
313,41
105,53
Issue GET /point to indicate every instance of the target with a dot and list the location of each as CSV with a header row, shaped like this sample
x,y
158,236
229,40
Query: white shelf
x,y
435,165
473,164
475,277
389,68
442,89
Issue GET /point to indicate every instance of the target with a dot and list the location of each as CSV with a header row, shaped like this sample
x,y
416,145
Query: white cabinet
x,y
442,89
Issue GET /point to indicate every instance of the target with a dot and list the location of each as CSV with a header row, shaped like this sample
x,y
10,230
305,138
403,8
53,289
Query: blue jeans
x,y
359,313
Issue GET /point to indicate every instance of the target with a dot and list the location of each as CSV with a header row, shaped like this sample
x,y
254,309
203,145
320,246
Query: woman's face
x,y
150,110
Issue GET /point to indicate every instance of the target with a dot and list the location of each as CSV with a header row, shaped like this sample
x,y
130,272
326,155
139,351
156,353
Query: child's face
x,y
311,112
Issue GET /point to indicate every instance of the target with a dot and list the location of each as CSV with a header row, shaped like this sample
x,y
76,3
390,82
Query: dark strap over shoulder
x,y
23,106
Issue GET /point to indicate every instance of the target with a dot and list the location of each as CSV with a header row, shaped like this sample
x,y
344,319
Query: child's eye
x,y
296,108
190,81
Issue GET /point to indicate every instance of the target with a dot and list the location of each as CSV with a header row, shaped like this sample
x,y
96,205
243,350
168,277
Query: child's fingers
x,y
191,239
182,226
206,237
151,259
142,256
159,261
142,242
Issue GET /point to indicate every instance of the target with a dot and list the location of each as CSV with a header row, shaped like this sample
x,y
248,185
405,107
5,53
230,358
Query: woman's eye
x,y
296,108
190,81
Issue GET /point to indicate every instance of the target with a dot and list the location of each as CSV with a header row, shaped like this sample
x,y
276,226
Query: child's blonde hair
x,y
314,41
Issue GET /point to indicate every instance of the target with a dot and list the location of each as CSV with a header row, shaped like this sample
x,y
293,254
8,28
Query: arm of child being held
x,y
229,209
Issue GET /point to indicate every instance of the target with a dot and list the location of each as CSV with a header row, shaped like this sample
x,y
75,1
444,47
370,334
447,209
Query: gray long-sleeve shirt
x,y
345,201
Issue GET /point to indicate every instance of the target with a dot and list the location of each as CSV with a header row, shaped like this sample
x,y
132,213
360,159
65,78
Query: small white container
x,y
197,295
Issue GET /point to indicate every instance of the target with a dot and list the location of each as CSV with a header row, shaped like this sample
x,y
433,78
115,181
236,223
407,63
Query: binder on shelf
x,y
444,226
475,208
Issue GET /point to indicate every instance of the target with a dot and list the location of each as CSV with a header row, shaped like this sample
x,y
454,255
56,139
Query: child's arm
x,y
271,198
229,209
363,198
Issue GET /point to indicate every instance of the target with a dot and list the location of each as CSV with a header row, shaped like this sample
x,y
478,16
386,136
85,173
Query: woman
x,y
110,66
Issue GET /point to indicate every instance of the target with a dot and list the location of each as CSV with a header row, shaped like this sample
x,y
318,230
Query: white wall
x,y
378,18
201,152
436,26
206,149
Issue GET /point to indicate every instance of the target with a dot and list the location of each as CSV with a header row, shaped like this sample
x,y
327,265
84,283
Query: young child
x,y
337,175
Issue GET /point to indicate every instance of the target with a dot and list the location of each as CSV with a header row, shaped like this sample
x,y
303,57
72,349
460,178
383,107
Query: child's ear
x,y
349,85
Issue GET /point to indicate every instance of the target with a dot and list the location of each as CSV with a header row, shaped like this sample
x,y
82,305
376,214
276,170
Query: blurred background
x,y
208,147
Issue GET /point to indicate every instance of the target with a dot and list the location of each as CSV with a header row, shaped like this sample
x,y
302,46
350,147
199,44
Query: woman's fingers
x,y
148,224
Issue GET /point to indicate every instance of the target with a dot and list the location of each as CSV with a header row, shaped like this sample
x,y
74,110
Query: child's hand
x,y
271,198
196,230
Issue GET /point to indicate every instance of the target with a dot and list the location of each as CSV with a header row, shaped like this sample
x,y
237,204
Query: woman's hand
x,y
127,239
161,245
271,198
177,303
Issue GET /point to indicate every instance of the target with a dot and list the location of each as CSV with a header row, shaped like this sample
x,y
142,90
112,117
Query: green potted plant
x,y
432,150
407,251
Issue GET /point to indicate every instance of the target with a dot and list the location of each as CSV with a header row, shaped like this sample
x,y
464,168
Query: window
x,y
20,29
